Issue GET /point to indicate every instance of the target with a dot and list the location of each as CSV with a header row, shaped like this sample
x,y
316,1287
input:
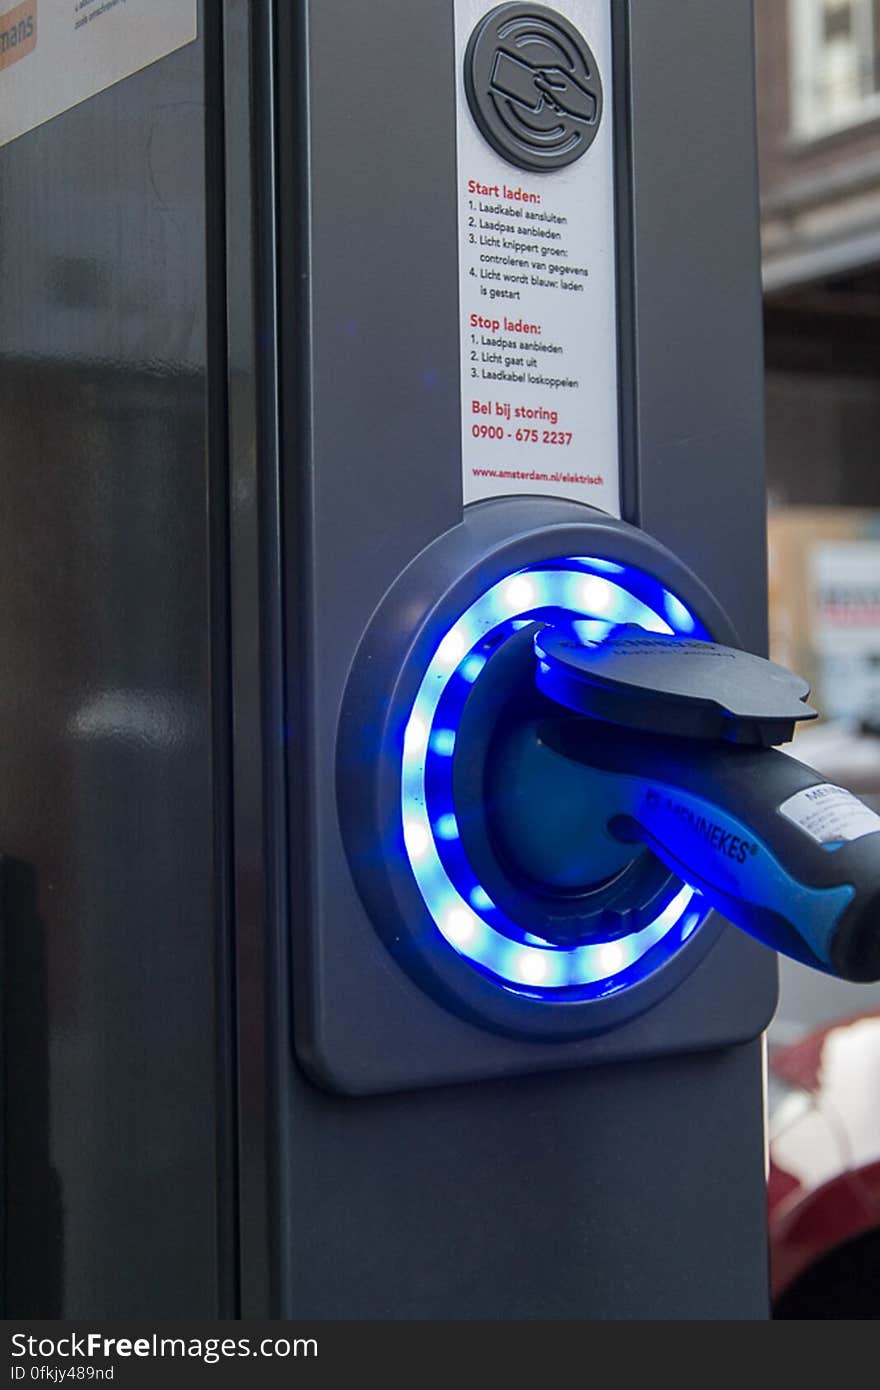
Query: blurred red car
x,y
824,1180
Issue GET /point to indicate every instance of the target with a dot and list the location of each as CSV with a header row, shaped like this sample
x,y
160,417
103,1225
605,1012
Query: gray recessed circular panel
x,y
533,86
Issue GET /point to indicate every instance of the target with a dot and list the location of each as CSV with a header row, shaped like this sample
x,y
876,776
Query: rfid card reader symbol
x,y
533,86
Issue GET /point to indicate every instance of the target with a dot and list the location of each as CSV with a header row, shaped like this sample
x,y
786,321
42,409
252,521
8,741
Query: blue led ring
x,y
591,594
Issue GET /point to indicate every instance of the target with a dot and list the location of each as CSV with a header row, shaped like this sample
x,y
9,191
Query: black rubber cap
x,y
672,685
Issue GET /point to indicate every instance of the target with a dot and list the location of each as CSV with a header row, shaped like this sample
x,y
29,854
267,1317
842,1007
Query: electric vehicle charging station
x,y
460,1033
522,1176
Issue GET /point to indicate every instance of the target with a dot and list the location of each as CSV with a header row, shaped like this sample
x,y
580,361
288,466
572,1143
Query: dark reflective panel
x,y
106,715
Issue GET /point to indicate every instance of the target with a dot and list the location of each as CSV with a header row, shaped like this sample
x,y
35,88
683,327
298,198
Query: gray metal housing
x,y
197,524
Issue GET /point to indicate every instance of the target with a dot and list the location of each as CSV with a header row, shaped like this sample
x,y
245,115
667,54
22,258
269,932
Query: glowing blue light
x,y
415,737
471,668
592,630
689,924
451,650
609,566
656,624
443,742
462,928
519,594
681,618
674,910
446,827
597,595
536,967
416,838
458,906
527,966
480,899
592,597
614,957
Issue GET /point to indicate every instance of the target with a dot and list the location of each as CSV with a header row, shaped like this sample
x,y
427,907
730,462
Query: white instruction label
x,y
537,291
56,53
830,814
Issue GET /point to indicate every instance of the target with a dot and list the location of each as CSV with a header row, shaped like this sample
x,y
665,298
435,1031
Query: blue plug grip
x,y
741,875
793,861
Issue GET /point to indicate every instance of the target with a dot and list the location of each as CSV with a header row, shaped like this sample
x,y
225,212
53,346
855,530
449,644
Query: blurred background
x,y
818,73
819,148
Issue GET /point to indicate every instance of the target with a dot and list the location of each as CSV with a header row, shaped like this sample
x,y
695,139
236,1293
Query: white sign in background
x,y
538,342
56,53
845,577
